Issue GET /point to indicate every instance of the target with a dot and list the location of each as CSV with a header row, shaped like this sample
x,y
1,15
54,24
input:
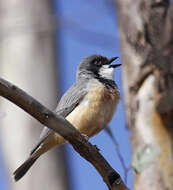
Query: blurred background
x,y
41,44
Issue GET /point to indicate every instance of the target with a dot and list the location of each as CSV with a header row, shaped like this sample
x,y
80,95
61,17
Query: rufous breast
x,y
96,109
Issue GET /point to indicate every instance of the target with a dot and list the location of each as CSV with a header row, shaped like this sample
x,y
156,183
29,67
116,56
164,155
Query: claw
x,y
85,136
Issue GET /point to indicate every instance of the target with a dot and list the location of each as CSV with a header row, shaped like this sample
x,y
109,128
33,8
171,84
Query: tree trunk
x,y
146,38
27,58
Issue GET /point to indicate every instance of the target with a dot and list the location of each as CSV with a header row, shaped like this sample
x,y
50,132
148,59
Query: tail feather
x,y
21,171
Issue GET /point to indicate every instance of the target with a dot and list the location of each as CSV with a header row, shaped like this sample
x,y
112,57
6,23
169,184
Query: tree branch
x,y
65,129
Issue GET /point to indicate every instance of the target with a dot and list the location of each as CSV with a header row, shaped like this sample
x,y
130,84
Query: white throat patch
x,y
107,72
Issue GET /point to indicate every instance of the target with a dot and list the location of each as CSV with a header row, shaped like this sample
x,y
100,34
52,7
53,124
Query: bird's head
x,y
97,66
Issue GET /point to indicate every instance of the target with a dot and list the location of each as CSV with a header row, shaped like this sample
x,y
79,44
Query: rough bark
x,y
27,58
146,39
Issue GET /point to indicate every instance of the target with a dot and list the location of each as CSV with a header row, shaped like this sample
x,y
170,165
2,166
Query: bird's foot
x,y
85,136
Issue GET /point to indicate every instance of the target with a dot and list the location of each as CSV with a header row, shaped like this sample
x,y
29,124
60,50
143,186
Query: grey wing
x,y
66,105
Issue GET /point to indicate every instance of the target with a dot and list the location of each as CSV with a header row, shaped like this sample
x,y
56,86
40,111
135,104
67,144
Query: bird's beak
x,y
113,59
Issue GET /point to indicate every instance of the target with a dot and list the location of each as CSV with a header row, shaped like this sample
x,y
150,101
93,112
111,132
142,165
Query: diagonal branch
x,y
65,129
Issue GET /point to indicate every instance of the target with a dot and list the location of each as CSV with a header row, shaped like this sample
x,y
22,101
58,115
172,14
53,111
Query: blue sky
x,y
89,27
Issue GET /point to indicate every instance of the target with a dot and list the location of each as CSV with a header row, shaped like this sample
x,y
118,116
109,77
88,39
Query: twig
x,y
126,169
65,129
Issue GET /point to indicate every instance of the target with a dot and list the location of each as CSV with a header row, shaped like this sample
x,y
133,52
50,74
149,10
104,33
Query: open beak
x,y
113,59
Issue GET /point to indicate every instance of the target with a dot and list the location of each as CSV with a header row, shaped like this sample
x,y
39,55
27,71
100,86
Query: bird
x,y
89,105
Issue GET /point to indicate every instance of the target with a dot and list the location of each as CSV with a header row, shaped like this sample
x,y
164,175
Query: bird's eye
x,y
97,62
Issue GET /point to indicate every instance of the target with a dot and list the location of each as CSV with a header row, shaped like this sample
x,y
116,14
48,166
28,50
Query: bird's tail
x,y
21,171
